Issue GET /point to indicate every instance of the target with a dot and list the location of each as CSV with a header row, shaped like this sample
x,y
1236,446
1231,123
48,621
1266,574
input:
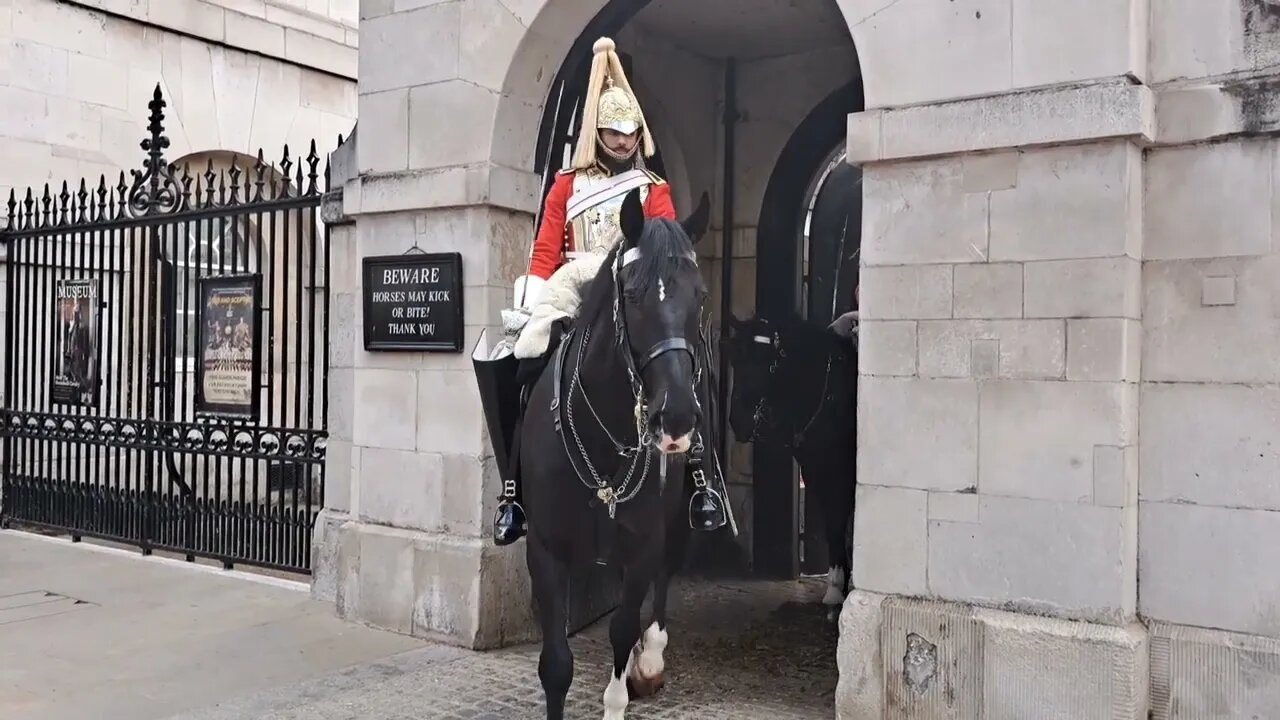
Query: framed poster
x,y
228,319
77,314
413,302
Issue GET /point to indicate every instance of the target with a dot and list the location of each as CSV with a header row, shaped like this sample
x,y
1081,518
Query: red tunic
x,y
555,234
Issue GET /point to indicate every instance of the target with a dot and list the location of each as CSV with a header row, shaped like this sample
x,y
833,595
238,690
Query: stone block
x,y
449,418
954,507
920,212
401,489
458,591
960,662
863,144
36,67
1106,287
450,124
488,42
324,555
912,292
990,171
1210,566
384,144
1037,439
897,417
1186,341
470,487
1076,114
1048,47
1031,349
1227,211
860,690
1186,115
935,653
1062,559
342,402
1192,39
1203,674
412,48
969,50
1211,445
1115,476
200,19
887,347
1078,201
386,409
1042,668
890,550
255,34
984,358
384,579
1104,349
337,475
988,291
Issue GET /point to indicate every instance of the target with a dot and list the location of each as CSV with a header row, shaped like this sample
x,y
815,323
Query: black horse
x,y
609,429
795,386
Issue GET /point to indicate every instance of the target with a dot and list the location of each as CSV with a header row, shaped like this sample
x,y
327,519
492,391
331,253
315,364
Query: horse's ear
x,y
631,217
695,226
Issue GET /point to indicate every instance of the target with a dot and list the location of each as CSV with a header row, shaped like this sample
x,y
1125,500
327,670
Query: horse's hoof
x,y
639,686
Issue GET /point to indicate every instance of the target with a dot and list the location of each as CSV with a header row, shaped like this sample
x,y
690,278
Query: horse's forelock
x,y
664,247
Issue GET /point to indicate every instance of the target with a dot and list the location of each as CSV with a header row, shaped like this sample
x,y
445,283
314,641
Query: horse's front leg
x,y
647,676
550,579
624,636
833,484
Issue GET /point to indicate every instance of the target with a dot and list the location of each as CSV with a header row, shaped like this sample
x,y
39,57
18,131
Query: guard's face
x,y
619,143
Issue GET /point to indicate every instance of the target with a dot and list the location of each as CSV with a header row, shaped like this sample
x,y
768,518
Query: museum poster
x,y
75,359
228,338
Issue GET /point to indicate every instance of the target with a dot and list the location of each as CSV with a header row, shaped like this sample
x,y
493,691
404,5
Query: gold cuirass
x,y
596,227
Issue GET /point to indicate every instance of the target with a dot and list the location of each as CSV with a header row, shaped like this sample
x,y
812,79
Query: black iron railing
x,y
166,345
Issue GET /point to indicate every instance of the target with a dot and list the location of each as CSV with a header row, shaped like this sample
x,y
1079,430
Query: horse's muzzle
x,y
674,446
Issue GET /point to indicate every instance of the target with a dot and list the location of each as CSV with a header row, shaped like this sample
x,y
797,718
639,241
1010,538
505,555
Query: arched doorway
x,y
799,270
760,97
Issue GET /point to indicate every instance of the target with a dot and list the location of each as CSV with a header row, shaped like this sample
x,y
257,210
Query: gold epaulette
x,y
654,177
566,171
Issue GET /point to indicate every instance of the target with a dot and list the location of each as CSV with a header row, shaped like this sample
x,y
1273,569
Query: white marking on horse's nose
x,y
674,445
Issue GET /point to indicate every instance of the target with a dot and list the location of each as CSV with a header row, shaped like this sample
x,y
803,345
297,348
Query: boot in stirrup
x,y
508,522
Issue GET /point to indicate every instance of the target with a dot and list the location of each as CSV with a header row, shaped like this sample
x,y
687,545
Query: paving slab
x,y
88,631
740,650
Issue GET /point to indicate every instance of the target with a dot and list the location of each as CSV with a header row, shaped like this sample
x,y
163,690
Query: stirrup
x,y
508,523
706,510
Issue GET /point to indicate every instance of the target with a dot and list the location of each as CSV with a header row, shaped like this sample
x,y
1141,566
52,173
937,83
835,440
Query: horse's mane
x,y
663,246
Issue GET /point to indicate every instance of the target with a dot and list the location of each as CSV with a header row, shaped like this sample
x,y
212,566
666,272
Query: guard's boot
x,y
508,522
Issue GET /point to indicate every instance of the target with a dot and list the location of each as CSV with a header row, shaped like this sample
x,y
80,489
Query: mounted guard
x,y
579,225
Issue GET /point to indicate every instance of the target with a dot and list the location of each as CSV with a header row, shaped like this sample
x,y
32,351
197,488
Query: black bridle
x,y
641,454
763,410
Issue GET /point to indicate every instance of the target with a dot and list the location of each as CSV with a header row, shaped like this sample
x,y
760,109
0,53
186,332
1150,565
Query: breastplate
x,y
598,228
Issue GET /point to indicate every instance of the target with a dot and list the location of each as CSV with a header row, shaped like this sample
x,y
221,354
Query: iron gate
x,y
167,357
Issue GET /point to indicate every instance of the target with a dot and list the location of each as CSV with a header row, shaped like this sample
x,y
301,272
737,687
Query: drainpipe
x,y
730,120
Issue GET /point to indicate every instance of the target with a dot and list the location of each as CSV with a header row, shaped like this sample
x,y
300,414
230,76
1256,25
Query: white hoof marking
x,y
835,587
615,694
652,647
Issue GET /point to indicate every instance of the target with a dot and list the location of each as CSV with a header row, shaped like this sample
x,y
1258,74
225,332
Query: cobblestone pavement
x,y
739,650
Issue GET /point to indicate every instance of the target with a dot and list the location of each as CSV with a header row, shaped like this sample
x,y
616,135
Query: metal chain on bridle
x,y
641,453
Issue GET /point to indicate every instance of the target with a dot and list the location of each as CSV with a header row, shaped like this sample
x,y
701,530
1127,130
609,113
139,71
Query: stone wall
x,y
1069,296
76,77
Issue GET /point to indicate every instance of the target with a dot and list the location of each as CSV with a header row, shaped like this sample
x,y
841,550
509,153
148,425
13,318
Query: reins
x,y
641,453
